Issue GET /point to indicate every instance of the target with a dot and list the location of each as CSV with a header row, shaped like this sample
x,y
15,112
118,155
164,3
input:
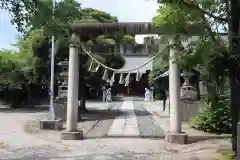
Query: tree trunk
x,y
29,94
234,48
82,106
212,93
18,100
234,104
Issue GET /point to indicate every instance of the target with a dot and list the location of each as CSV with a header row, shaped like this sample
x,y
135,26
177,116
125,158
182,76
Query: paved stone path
x,y
129,130
125,124
132,120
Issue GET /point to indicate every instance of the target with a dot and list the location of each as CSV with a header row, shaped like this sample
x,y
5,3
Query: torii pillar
x,y
72,133
175,134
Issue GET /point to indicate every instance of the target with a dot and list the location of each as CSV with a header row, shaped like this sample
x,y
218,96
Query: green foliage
x,y
175,19
187,17
34,14
11,75
127,39
208,54
160,65
226,155
97,15
114,60
21,11
30,66
105,40
214,117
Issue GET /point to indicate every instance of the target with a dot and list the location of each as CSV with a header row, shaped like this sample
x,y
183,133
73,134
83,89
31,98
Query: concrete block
x,y
178,138
48,124
78,135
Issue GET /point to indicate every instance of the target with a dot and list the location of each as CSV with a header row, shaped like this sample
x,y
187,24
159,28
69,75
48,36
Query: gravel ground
x,y
20,138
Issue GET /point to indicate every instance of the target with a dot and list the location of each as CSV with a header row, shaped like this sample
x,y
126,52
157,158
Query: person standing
x,y
108,95
147,95
164,96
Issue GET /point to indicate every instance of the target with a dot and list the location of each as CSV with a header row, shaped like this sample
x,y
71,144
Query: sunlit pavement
x,y
117,131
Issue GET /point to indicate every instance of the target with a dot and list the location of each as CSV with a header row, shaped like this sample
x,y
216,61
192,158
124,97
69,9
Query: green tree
x,y
40,26
20,10
215,15
17,74
208,53
34,19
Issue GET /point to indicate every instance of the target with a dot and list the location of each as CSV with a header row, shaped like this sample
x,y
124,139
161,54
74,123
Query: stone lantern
x,y
186,76
61,99
188,92
62,88
188,96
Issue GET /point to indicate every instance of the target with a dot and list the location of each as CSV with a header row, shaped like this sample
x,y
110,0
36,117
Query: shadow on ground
x,y
150,137
198,138
94,114
24,110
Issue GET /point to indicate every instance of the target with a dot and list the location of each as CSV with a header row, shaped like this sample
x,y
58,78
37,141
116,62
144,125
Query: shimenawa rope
x,y
128,70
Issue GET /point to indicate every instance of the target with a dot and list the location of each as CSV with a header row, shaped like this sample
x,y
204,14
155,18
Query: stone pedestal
x,y
238,140
78,135
61,111
178,138
48,124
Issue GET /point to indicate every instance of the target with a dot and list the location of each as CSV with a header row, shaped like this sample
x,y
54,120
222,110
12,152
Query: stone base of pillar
x,y
178,138
238,140
78,135
55,125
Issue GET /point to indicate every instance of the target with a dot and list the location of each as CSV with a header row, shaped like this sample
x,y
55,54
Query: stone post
x,y
174,91
121,49
174,135
103,93
72,98
152,93
146,48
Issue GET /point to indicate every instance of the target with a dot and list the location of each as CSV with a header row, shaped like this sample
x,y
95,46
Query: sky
x,y
125,10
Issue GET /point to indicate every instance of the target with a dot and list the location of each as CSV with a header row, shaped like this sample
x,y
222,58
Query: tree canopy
x,y
215,58
31,65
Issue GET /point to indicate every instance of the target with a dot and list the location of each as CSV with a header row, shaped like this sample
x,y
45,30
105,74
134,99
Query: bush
x,y
214,117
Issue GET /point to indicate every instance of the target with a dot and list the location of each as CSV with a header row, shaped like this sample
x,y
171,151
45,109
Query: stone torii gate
x,y
83,30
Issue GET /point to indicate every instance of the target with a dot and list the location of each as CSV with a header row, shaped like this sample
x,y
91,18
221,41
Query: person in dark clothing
x,y
164,96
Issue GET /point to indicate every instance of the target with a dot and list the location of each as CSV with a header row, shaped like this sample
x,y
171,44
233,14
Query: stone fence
x,y
189,109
